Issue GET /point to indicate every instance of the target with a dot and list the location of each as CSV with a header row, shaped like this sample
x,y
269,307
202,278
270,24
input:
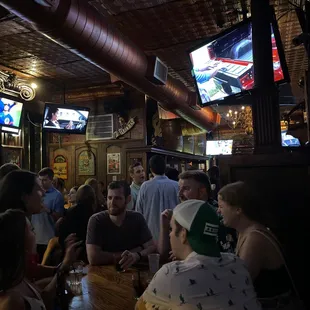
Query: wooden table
x,y
105,288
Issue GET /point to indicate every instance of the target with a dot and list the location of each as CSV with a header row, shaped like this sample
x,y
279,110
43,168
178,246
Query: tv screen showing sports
x,y
65,118
219,147
10,112
223,66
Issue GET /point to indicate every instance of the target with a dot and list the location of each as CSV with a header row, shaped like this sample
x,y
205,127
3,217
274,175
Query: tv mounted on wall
x,y
65,118
10,111
223,65
219,147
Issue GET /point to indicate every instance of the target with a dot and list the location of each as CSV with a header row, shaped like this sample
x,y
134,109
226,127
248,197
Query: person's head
x,y
72,195
194,184
21,190
93,183
101,186
238,203
172,174
214,174
46,176
157,165
136,172
85,196
16,240
53,114
59,184
7,168
194,227
119,195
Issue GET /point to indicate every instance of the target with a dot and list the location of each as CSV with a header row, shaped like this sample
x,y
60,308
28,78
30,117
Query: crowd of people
x,y
211,238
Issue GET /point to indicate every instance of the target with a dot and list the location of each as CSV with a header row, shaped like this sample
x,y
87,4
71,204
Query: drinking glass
x,y
154,262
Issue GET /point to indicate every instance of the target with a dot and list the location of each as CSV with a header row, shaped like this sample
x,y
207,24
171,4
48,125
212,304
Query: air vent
x,y
157,71
100,127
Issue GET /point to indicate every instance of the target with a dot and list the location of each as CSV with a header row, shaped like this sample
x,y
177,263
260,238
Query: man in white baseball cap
x,y
203,277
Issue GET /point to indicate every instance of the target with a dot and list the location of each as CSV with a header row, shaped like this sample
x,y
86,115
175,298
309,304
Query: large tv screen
x,y
223,66
219,147
65,118
10,112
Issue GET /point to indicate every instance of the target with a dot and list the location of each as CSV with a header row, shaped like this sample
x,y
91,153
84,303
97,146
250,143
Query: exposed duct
x,y
77,26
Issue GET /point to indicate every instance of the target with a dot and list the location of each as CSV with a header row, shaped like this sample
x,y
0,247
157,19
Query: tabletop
x,y
105,288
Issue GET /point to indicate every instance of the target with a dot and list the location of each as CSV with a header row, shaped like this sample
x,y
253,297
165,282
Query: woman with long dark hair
x,y
17,240
21,189
76,219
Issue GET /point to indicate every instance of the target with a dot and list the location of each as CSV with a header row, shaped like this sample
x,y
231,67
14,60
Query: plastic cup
x,y
154,262
74,279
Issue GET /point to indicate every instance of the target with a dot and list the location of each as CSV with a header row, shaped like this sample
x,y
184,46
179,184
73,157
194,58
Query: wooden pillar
x,y
265,108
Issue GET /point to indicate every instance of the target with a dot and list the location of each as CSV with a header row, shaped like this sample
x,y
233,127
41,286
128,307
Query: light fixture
x,y
241,118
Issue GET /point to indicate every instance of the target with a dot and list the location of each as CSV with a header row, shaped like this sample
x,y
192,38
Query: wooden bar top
x,y
105,288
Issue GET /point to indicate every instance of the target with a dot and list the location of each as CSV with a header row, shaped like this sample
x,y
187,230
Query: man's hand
x,y
128,259
166,218
171,256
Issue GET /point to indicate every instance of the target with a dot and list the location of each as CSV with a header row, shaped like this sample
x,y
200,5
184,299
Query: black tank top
x,y
270,283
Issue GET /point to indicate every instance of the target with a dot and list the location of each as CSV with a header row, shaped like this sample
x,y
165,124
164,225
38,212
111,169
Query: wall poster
x,y
114,163
86,163
60,167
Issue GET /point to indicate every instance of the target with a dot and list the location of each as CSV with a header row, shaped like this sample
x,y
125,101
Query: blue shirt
x,y
43,223
135,188
154,197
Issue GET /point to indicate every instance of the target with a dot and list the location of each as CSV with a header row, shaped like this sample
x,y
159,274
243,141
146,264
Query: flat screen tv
x,y
219,147
10,112
223,65
65,118
289,140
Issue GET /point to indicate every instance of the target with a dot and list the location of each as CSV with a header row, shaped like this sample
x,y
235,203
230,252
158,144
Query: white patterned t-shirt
x,y
202,283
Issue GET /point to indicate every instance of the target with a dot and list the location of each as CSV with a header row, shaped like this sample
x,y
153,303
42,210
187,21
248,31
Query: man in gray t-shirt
x,y
117,235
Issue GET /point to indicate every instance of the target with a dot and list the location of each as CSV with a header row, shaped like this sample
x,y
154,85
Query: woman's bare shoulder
x,y
12,301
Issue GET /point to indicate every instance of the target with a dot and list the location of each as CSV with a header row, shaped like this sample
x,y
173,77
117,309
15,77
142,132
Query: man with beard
x,y
137,174
195,184
118,236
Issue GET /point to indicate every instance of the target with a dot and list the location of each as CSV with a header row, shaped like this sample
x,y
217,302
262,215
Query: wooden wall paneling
x,y
67,153
80,179
102,163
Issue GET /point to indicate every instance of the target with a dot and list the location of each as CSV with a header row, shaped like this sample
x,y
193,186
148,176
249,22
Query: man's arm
x,y
164,240
96,256
58,210
140,199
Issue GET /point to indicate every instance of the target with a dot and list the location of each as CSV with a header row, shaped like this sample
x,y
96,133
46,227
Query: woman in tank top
x,y
257,246
17,240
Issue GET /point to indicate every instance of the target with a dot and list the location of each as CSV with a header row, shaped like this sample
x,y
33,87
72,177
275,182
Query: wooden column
x,y
265,109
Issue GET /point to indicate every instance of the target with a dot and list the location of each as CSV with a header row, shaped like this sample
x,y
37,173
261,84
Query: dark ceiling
x,y
166,28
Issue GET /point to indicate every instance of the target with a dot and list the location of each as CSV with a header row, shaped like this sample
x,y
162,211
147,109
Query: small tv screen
x,y
223,66
289,140
10,112
219,147
65,118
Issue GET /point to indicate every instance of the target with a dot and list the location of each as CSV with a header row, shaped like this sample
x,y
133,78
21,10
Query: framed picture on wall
x,y
114,163
12,155
86,163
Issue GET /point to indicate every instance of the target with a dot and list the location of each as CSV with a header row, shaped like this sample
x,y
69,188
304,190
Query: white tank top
x,y
34,303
